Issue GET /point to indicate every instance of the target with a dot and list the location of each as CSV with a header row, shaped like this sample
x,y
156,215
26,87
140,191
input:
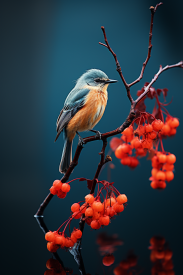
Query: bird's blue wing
x,y
74,101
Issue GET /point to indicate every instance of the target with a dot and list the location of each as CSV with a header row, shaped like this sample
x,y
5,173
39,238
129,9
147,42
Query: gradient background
x,y
46,46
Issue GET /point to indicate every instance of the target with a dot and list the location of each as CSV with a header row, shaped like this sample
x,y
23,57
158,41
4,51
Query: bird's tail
x,y
66,155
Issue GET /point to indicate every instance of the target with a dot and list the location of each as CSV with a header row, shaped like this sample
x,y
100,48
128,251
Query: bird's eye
x,y
97,79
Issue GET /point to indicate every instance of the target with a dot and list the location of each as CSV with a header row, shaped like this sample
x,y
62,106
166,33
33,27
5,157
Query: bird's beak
x,y
110,81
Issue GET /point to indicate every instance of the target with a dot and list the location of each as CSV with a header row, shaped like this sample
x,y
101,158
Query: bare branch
x,y
118,67
179,64
153,10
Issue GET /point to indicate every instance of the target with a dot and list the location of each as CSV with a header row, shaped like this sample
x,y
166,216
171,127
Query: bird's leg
x,y
80,139
98,134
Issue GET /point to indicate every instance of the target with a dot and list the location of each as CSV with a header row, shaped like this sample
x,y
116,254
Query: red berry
x,y
110,202
83,208
50,236
172,132
115,142
69,242
57,184
148,128
73,238
66,187
126,161
97,206
118,207
154,184
77,233
157,125
108,260
141,152
52,247
168,167
105,220
168,254
60,240
169,175
162,158
147,143
122,198
173,122
53,190
119,153
171,159
89,212
160,175
133,162
161,184
152,135
128,131
75,207
77,215
110,211
136,143
89,198
95,224
165,129
61,194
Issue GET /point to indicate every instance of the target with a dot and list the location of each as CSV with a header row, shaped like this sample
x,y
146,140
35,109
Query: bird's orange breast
x,y
90,114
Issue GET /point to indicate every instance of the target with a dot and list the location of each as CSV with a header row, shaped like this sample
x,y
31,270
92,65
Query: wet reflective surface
x,y
47,45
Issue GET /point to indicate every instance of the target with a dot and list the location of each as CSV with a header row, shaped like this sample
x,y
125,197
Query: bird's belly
x,y
85,119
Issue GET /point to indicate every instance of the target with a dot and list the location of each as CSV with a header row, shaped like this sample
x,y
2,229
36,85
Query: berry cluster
x,y
144,135
127,266
99,213
140,140
161,256
170,126
163,166
94,211
60,189
57,239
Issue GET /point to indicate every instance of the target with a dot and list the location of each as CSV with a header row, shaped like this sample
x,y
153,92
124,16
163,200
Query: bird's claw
x,y
98,134
81,141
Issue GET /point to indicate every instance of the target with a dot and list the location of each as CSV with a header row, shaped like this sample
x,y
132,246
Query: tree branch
x,y
153,10
118,67
128,120
104,136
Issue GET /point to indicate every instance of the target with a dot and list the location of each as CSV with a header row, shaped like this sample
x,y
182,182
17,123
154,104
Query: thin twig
x,y
153,10
118,67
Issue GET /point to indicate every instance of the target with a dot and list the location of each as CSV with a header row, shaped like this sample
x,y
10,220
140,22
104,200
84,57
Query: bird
x,y
83,108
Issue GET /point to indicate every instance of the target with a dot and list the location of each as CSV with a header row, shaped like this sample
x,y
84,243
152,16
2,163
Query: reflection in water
x,y
107,244
54,267
161,257
128,266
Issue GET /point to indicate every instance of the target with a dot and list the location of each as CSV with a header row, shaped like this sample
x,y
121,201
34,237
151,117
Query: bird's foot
x,y
98,134
81,140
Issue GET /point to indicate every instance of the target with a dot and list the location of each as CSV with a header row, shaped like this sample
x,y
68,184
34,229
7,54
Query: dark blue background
x,y
46,46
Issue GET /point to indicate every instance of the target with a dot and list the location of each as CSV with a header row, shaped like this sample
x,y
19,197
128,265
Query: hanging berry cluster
x,y
58,239
96,211
161,257
144,135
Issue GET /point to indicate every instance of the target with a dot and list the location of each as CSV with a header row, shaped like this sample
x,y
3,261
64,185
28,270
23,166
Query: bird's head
x,y
94,77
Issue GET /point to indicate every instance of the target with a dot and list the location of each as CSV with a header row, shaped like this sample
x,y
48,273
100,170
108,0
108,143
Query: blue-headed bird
x,y
83,108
